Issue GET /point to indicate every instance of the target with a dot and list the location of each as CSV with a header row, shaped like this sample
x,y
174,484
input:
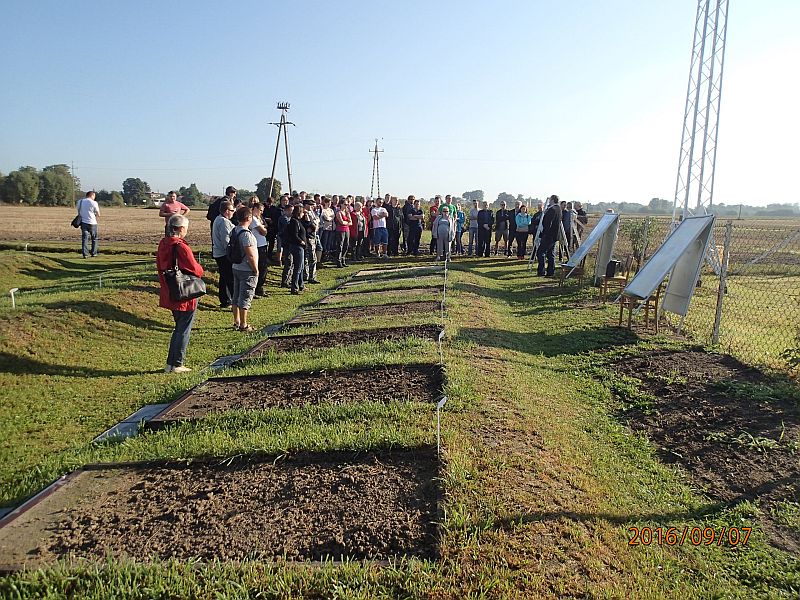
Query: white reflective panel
x,y
682,251
603,225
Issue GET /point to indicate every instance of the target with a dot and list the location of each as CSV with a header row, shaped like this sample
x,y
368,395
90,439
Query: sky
x,y
578,98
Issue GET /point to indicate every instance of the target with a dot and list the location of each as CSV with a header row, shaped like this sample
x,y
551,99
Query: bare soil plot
x,y
724,423
407,383
334,298
315,341
307,506
312,317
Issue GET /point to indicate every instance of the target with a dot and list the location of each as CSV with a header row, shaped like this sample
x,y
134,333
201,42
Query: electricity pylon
x,y
283,127
694,187
376,173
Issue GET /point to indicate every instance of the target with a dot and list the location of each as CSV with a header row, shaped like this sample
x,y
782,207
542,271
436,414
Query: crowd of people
x,y
299,232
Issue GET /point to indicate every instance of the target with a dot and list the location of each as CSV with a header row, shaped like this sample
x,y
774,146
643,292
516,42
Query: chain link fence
x,y
760,317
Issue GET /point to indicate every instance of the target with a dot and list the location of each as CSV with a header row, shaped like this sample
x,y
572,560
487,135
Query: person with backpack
x,y
221,230
243,254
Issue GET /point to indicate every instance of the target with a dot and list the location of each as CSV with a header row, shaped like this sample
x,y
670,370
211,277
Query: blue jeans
x,y
88,232
298,258
180,337
473,235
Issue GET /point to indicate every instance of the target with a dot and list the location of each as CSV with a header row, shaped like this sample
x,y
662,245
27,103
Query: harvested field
x,y
294,343
312,317
308,506
730,427
366,294
406,383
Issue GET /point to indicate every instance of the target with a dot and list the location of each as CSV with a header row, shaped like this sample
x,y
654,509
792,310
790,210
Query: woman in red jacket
x,y
172,249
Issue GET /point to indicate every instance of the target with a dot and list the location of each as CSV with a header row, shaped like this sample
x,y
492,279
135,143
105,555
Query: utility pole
x,y
376,173
283,127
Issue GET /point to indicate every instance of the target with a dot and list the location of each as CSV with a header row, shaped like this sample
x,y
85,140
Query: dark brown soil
x,y
734,430
406,383
333,298
309,506
316,341
312,317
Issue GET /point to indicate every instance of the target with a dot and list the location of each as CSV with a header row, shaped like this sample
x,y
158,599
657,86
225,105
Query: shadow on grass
x,y
548,344
21,365
102,310
70,268
707,510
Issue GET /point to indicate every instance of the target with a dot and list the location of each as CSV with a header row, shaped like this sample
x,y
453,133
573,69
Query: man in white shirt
x,y
380,233
89,210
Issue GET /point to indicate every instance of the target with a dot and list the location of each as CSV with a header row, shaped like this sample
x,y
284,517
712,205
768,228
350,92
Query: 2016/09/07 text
x,y
696,536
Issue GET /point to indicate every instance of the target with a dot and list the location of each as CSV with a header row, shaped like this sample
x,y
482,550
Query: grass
x,y
542,483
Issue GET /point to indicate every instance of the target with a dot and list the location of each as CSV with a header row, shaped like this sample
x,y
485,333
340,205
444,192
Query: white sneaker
x,y
180,369
168,369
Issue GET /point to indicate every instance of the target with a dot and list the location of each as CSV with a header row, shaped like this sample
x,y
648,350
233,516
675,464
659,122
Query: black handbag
x,y
183,286
76,222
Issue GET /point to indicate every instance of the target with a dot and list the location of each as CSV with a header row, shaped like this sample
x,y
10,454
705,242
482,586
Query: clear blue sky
x,y
580,98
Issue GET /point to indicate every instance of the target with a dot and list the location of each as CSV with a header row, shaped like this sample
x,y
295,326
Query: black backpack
x,y
235,250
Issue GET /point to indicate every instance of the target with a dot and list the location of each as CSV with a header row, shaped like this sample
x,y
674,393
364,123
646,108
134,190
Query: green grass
x,y
541,480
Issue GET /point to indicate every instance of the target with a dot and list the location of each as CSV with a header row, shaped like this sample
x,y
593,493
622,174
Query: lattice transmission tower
x,y
694,188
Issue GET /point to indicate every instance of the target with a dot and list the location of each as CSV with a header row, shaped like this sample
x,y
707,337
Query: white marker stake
x,y
441,354
26,247
13,302
101,280
439,406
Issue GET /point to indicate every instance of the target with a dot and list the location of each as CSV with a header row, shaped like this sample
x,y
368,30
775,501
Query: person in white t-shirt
x,y
89,210
380,235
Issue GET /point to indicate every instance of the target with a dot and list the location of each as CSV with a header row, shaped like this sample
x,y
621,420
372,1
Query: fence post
x,y
645,241
723,282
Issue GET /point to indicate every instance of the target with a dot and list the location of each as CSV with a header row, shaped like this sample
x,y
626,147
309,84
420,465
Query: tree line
x,y
55,185
52,186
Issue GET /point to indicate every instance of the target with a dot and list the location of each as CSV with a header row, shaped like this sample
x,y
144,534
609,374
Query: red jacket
x,y
186,263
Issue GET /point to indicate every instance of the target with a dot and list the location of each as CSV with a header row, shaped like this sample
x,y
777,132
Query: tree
x,y
658,205
22,185
135,191
473,195
507,198
262,189
56,186
106,198
244,194
191,196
